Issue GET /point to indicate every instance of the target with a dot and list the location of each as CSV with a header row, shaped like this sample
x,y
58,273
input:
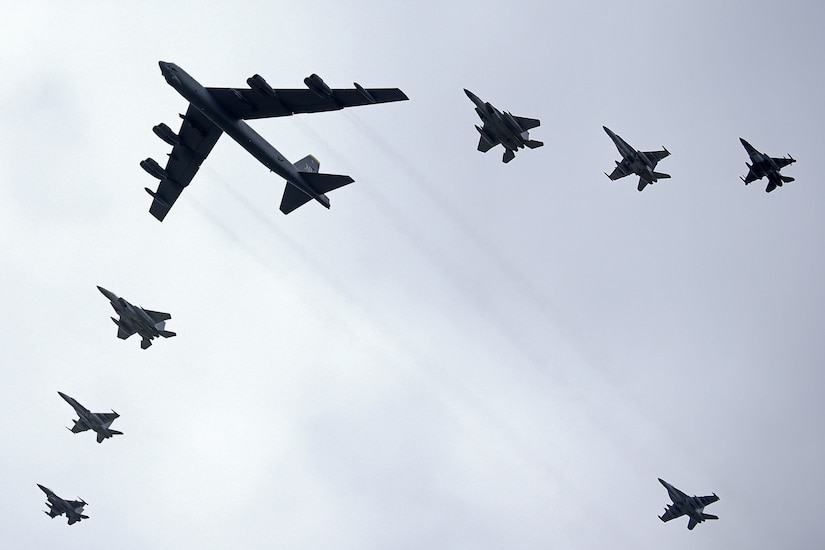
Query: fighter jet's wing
x,y
484,145
250,104
782,162
656,156
107,418
124,333
622,169
527,123
78,427
157,316
751,177
708,500
195,140
671,513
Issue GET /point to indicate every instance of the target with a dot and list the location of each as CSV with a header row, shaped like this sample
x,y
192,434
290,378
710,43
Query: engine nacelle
x,y
257,83
364,92
165,133
317,85
153,168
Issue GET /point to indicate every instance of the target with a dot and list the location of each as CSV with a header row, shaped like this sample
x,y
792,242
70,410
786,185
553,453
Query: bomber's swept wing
x,y
266,102
191,145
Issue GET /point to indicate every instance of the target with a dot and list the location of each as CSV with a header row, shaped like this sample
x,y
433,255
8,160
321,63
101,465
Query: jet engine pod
x,y
317,85
153,168
257,83
165,133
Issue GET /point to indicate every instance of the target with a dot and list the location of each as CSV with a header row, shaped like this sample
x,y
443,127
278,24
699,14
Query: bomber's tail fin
x,y
294,197
307,164
533,144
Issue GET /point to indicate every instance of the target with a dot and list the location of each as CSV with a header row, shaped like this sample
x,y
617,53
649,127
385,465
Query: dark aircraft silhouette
x,y
508,130
636,162
685,505
57,506
763,165
99,422
149,324
213,111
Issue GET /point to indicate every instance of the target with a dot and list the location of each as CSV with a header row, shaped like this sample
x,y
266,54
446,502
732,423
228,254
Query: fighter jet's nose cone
x,y
470,94
61,394
42,488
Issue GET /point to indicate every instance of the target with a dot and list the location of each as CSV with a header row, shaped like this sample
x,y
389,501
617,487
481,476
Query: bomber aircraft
x,y
763,165
503,128
57,506
213,111
636,162
99,422
149,324
684,505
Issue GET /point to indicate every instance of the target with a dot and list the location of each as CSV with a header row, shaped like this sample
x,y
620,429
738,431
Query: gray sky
x,y
459,354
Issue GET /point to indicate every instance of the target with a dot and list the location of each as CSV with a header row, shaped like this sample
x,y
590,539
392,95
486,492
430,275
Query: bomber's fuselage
x,y
236,128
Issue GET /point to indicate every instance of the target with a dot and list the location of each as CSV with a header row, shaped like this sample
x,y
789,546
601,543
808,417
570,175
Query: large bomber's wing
x,y
622,169
527,123
157,316
195,140
250,104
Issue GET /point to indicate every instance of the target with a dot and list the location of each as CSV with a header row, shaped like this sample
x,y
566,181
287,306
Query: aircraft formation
x,y
213,112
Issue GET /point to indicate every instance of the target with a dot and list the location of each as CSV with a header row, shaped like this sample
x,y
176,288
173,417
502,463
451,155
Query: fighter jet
x,y
99,422
636,162
504,128
57,506
213,111
763,165
149,324
685,505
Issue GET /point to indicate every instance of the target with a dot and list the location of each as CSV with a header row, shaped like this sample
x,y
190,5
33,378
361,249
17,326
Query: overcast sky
x,y
460,353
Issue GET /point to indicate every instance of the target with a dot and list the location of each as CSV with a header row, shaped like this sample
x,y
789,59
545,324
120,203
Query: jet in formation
x,y
132,319
57,506
763,165
503,128
636,162
213,111
99,422
684,505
